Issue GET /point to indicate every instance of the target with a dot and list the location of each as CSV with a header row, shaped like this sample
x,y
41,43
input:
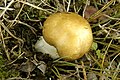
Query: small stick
x,y
6,8
84,72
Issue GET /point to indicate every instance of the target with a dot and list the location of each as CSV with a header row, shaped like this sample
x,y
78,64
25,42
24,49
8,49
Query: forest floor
x,y
21,24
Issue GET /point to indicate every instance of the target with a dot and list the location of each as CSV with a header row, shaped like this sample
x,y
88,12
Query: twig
x,y
6,8
2,24
84,72
77,70
17,15
87,3
68,7
48,5
4,46
111,17
31,28
103,8
106,51
33,6
16,58
20,22
113,60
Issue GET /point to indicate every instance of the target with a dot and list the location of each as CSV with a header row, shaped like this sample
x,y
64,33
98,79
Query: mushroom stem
x,y
42,46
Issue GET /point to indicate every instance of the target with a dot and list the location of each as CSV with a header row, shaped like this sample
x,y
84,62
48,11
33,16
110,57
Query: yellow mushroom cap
x,y
69,33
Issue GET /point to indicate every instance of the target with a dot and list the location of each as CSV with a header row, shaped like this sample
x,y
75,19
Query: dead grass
x,y
21,25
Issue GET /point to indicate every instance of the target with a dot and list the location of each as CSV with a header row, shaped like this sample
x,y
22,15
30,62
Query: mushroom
x,y
69,33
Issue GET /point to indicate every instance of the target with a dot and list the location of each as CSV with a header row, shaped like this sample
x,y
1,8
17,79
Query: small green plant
x,y
97,51
5,72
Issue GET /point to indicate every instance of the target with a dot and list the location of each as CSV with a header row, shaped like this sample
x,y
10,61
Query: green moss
x,y
5,72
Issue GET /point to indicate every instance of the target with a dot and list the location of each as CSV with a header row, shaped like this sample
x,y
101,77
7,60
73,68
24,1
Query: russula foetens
x,y
69,33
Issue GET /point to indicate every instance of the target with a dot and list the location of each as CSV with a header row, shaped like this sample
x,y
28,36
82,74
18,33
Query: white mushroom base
x,y
42,46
